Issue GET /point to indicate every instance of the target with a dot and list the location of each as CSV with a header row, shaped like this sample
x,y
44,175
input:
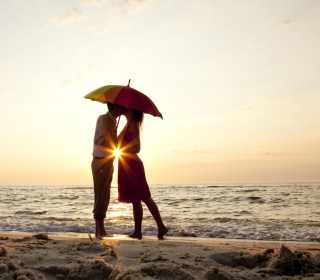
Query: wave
x,y
220,227
30,212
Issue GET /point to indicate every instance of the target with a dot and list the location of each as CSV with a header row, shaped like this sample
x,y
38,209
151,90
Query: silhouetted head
x,y
115,109
138,116
135,115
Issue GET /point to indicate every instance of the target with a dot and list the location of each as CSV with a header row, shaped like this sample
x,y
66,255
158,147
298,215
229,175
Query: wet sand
x,y
23,256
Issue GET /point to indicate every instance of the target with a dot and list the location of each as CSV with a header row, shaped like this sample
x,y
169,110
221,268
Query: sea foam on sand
x,y
73,258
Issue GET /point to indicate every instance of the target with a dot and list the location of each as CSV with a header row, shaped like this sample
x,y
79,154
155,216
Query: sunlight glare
x,y
117,152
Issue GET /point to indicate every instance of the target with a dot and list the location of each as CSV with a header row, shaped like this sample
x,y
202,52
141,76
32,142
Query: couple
x,y
132,185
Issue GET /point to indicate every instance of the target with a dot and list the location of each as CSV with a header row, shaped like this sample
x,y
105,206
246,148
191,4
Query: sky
x,y
237,82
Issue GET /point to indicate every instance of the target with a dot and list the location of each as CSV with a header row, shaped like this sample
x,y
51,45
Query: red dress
x,y
132,183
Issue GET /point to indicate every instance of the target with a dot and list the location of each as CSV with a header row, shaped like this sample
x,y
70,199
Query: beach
x,y
235,231
42,256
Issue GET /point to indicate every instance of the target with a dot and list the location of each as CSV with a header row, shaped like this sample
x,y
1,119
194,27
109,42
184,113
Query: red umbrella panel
x,y
125,96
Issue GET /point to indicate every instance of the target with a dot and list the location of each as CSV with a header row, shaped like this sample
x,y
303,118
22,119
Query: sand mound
x,y
10,269
39,257
295,263
97,270
155,271
243,259
285,262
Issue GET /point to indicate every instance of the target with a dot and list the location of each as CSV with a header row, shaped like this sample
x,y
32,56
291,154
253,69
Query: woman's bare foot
x,y
161,232
100,230
135,235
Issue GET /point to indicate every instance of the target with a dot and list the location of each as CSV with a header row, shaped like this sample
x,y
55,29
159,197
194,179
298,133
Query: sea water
x,y
277,211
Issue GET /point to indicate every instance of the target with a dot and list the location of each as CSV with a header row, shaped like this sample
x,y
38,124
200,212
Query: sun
x,y
117,153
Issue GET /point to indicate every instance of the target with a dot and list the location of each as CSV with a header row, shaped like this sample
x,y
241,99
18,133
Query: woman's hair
x,y
138,117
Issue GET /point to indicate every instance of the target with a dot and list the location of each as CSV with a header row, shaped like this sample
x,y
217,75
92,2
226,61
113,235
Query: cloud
x,y
193,152
248,108
99,30
235,111
72,15
285,23
119,2
306,25
266,154
131,2
92,67
97,68
69,82
94,2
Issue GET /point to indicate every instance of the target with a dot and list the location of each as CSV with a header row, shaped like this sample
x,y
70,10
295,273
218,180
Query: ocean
x,y
277,211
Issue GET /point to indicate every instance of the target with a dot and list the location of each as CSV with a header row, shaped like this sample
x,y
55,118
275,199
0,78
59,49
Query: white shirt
x,y
105,137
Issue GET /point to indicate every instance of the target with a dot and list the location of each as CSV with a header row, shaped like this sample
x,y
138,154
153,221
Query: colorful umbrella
x,y
125,96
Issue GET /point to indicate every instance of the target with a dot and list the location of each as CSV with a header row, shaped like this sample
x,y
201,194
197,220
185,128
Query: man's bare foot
x,y
105,235
161,232
135,235
98,234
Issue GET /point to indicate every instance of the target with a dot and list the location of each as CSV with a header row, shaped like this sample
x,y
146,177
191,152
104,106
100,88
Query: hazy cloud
x,y
72,15
131,2
306,25
69,82
193,152
235,111
94,2
99,30
266,154
119,2
97,68
248,108
285,23
92,67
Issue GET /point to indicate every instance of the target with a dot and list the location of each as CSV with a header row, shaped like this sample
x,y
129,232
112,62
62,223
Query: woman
x,y
132,184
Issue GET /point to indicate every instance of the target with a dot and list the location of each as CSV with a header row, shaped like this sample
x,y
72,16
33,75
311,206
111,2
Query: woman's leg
x,y
137,215
153,208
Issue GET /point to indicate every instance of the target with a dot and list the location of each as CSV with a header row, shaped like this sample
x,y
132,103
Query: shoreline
x,y
77,257
207,240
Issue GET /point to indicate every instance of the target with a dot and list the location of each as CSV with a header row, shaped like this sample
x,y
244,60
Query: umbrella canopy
x,y
125,96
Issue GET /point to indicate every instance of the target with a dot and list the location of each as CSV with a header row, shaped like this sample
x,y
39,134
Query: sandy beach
x,y
24,256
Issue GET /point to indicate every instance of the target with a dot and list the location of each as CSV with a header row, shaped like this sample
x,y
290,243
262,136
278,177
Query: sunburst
x,y
117,153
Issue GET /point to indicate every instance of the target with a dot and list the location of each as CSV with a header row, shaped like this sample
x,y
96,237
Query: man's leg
x,y
102,172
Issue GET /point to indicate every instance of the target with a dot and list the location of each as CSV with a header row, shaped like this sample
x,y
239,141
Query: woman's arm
x,y
134,146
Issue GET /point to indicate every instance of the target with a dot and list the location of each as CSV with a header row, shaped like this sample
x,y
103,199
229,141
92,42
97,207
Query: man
x,y
105,142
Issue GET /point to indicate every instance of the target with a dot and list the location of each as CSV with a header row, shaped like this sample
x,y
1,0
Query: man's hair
x,y
111,106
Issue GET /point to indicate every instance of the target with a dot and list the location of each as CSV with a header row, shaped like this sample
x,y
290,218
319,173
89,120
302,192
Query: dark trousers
x,y
102,171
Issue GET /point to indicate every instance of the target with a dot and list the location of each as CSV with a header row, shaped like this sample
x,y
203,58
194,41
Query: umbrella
x,y
125,96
